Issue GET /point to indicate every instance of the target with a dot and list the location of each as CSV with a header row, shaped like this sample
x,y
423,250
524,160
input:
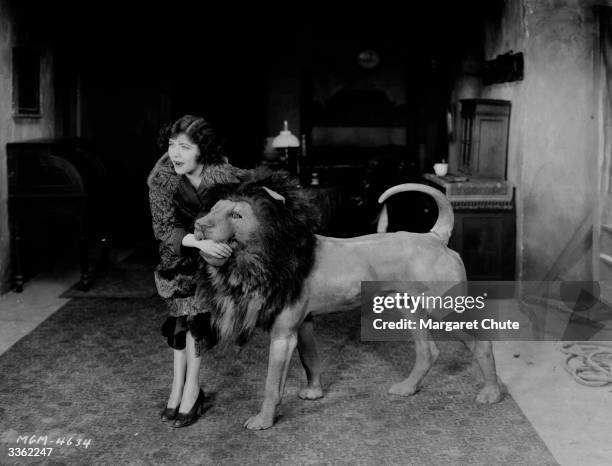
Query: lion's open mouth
x,y
233,242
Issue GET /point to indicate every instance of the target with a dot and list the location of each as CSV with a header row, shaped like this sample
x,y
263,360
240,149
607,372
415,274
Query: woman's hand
x,y
216,254
212,252
213,249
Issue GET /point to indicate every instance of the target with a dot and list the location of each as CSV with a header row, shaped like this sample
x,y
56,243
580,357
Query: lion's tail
x,y
444,225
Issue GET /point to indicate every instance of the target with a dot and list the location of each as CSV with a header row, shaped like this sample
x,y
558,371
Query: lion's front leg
x,y
307,348
281,349
283,340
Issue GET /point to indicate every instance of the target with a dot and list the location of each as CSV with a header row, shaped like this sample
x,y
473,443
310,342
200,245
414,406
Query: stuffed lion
x,y
281,273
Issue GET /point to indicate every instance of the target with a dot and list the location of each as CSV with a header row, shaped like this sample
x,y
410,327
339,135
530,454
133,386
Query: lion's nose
x,y
204,227
203,224
203,220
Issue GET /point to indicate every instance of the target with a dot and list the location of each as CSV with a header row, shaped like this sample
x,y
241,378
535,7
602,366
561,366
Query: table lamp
x,y
285,140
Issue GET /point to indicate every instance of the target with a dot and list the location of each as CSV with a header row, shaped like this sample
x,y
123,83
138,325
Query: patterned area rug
x,y
97,372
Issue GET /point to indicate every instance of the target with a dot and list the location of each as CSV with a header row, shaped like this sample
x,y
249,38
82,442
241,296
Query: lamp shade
x,y
285,139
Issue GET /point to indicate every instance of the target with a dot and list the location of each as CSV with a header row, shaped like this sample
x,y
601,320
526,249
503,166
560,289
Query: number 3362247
x,y
30,451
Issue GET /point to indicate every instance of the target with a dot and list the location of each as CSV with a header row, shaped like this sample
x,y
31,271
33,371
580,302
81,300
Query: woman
x,y
193,163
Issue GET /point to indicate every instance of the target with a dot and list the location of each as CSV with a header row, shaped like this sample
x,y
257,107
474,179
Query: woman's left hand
x,y
212,252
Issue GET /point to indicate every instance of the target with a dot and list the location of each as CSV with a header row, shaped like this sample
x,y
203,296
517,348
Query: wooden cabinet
x,y
57,192
486,242
484,233
484,138
485,226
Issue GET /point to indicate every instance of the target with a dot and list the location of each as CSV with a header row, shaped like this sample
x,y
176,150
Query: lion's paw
x,y
403,389
490,393
311,393
258,422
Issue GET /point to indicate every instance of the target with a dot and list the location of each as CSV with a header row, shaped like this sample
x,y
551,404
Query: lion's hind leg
x,y
426,354
307,349
493,390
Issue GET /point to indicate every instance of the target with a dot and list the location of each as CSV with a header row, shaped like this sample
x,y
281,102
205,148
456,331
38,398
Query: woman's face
x,y
184,154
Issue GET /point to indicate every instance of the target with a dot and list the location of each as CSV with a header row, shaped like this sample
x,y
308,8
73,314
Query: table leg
x,y
17,256
84,256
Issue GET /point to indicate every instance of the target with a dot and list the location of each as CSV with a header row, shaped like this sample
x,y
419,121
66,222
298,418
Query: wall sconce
x,y
285,140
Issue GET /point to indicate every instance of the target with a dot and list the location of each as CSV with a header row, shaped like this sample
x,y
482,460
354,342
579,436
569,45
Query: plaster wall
x,y
12,129
552,151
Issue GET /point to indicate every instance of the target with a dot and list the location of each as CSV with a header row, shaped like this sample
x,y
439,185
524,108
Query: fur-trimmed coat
x,y
174,276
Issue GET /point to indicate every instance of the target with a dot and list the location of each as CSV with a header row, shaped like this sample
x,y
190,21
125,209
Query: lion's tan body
x,y
334,284
342,264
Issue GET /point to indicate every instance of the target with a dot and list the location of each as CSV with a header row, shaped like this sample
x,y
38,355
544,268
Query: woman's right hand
x,y
215,254
211,251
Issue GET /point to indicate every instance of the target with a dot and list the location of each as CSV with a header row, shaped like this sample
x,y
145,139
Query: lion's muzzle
x,y
199,230
217,224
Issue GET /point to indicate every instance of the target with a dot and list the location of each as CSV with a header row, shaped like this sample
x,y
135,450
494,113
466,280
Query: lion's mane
x,y
266,275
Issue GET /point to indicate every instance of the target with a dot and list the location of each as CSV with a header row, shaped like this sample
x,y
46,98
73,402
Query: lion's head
x,y
269,222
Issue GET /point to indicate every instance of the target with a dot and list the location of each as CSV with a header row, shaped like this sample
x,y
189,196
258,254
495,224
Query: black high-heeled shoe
x,y
186,419
169,414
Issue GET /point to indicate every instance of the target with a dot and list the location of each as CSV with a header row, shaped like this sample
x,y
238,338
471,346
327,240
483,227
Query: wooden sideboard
x,y
485,225
485,239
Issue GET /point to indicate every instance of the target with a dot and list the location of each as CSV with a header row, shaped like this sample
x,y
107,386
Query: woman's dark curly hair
x,y
200,132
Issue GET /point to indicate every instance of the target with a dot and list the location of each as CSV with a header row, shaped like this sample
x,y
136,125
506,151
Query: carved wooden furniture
x,y
486,242
484,138
52,179
482,199
485,227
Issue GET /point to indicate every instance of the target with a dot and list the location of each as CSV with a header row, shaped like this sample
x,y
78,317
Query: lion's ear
x,y
274,194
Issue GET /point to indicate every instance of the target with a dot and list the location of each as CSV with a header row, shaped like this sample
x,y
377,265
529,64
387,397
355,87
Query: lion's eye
x,y
236,214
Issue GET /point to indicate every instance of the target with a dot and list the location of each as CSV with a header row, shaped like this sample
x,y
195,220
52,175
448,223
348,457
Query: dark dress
x,y
175,204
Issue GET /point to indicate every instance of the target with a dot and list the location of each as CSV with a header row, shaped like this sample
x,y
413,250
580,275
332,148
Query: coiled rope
x,y
589,364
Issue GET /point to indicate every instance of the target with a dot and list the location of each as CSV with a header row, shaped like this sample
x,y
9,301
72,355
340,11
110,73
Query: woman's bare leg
x,y
192,380
178,379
